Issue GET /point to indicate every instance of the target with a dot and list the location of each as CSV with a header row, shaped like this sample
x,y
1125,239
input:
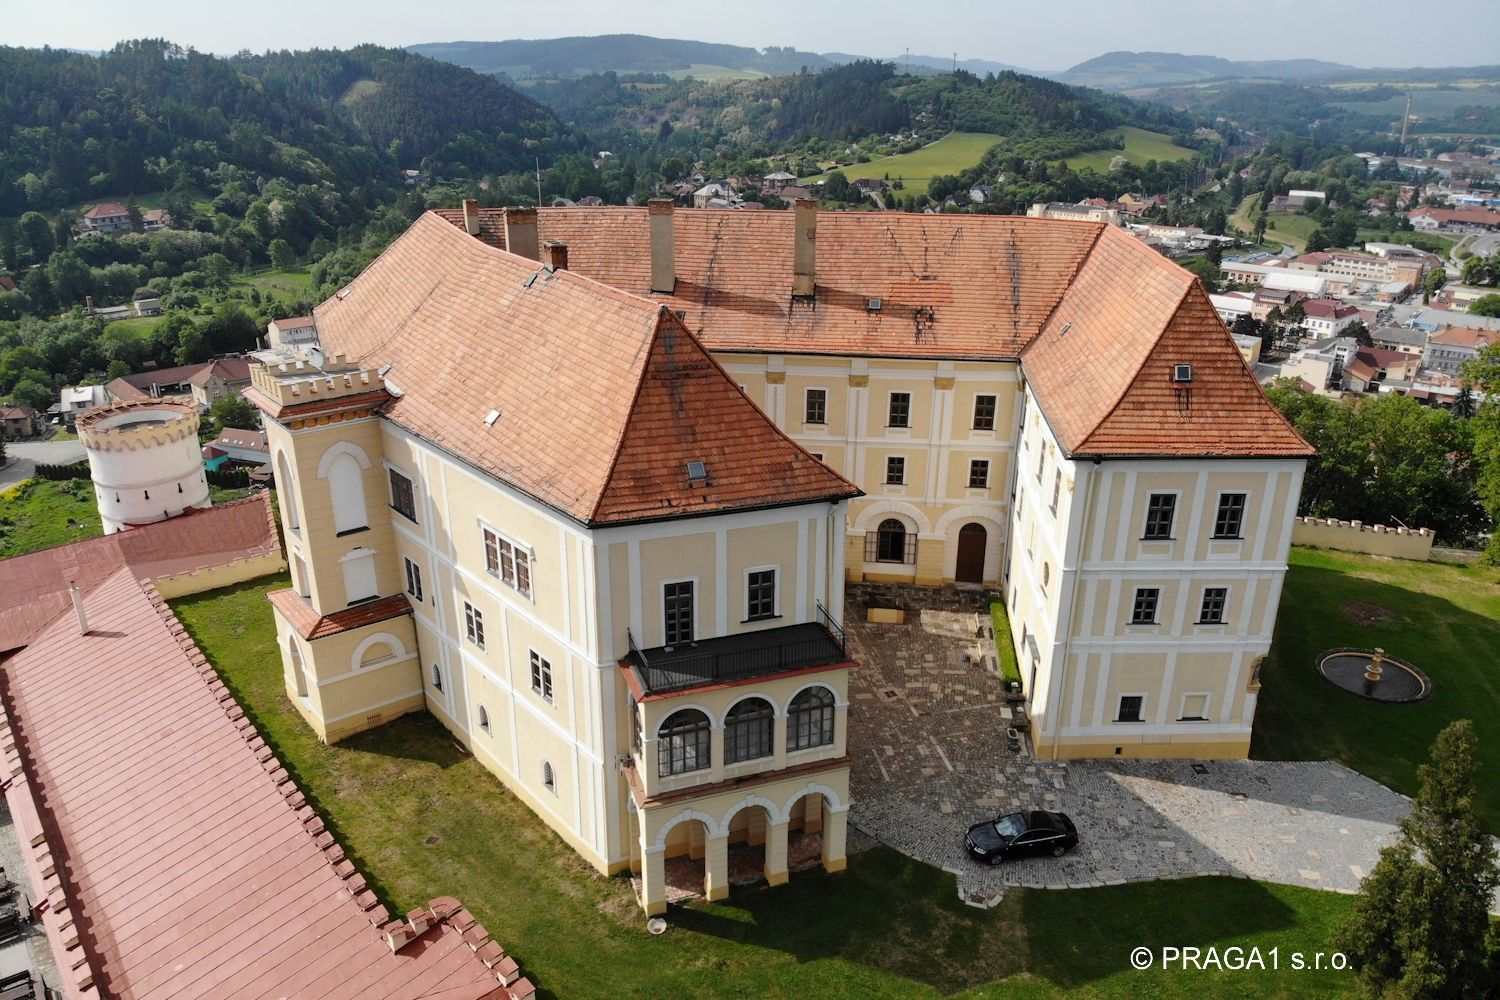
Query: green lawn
x,y
951,154
294,284
1140,146
1447,622
39,513
139,327
423,819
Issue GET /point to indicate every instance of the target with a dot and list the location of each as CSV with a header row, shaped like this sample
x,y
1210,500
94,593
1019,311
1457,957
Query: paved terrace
x,y
927,733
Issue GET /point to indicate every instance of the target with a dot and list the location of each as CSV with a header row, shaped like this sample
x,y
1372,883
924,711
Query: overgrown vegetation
x,y
1005,647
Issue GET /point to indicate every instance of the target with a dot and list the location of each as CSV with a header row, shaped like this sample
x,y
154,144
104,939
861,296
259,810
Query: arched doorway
x,y
749,854
804,845
686,867
972,540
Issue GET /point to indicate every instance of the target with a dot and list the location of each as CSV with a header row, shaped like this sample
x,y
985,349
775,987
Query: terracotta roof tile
x,y
34,587
566,362
310,625
185,861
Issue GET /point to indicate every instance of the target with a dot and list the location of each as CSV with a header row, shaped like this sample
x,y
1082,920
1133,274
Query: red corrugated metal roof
x,y
186,859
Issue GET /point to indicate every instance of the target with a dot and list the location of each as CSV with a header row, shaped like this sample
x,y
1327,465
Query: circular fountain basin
x,y
1350,670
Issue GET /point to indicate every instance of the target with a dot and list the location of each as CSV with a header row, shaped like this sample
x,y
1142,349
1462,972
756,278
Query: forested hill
x,y
150,116
567,57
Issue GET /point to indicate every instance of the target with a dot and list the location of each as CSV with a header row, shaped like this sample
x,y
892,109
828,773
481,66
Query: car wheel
x,y
994,860
1059,851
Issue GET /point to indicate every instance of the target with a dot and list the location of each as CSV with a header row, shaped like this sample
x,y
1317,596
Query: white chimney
x,y
471,216
804,246
520,232
83,618
663,246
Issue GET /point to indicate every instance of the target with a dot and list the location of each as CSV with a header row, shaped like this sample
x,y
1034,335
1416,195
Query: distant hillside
x,y
571,57
1130,70
920,65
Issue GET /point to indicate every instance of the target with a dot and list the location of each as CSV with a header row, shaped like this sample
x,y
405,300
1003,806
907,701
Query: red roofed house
x,y
1371,367
1427,219
19,422
586,484
110,217
1448,348
164,849
1326,317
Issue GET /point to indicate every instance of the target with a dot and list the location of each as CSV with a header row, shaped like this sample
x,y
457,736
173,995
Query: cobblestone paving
x,y
928,737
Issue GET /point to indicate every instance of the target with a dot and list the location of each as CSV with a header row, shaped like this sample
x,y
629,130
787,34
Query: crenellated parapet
x,y
292,388
138,425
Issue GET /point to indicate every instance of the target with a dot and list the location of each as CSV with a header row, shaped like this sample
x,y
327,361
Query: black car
x,y
1018,834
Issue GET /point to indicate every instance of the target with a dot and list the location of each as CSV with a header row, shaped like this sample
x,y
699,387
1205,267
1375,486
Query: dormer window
x,y
697,473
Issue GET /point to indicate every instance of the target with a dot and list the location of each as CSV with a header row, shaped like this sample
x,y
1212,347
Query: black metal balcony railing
x,y
738,657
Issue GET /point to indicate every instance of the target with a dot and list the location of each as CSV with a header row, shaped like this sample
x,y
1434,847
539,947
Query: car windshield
x,y
1010,827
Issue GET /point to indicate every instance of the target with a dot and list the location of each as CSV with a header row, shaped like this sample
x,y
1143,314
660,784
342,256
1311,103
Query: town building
x,y
1430,220
17,423
1449,347
1372,367
206,382
614,567
74,399
1326,317
1081,212
110,217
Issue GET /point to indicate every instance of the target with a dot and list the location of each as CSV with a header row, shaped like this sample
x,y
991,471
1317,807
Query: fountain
x,y
1373,674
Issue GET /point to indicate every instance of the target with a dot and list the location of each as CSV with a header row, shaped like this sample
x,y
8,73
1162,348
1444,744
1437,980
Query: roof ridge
x,y
635,398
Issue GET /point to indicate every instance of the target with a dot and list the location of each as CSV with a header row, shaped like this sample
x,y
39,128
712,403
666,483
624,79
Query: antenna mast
x,y
538,182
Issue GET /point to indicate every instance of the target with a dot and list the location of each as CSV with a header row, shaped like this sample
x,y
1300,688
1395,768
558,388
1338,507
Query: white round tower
x,y
145,460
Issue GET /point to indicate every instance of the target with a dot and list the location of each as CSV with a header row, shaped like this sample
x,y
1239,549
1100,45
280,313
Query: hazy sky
x,y
1038,34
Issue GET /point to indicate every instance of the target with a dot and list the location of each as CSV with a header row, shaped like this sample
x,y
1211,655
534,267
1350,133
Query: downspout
x,y
1088,509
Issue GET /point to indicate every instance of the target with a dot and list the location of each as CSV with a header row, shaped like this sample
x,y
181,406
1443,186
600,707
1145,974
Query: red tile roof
x,y
109,208
228,369
34,587
985,287
173,847
1327,308
603,397
1463,336
234,437
1465,216
310,625
1102,369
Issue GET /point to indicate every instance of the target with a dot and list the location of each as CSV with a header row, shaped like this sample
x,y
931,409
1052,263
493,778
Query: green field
x,y
1426,102
289,285
952,154
421,818
139,327
1140,146
1445,619
39,513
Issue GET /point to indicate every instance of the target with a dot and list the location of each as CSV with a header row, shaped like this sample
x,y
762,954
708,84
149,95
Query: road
x,y
24,456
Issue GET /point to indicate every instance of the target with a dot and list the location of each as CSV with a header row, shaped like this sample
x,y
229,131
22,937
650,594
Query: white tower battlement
x,y
145,460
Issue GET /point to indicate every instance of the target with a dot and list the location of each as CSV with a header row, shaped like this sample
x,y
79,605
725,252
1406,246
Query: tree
x,y
1359,332
233,411
34,238
1486,305
1435,279
1463,403
32,393
1421,926
283,257
1481,270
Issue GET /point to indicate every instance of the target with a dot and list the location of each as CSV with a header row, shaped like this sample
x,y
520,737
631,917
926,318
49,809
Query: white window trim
x,y
479,617
539,689
988,470
776,589
418,496
890,396
1177,511
1208,701
1249,496
1224,612
1130,621
827,412
886,471
410,567
697,603
1145,701
528,594
994,414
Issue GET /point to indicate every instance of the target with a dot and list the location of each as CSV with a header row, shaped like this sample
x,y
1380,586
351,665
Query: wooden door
x,y
971,545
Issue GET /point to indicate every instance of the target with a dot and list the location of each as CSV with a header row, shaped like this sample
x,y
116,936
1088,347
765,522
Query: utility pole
x,y
538,182
955,62
1405,121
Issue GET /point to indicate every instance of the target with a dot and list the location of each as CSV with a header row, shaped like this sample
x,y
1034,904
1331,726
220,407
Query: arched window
x,y
683,743
437,677
286,489
809,720
893,544
748,732
484,719
346,492
549,777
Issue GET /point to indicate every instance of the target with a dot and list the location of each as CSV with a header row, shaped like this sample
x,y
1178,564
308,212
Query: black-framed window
x,y
1056,488
484,719
541,675
809,719
900,410
749,731
413,580
1212,612
1144,610
984,413
549,777
1041,460
761,595
437,677
403,496
508,561
1132,708
684,743
677,612
1160,510
891,543
1229,522
815,409
895,470
979,473
474,624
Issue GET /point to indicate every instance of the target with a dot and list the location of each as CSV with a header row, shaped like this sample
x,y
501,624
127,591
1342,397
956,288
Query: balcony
x,y
731,658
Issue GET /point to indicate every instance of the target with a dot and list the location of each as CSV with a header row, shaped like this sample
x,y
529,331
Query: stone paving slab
x,y
927,734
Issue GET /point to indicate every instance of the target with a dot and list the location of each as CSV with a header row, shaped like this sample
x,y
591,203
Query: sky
x,y
1047,35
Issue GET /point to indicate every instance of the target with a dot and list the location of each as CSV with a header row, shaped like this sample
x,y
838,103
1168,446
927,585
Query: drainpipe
x,y
1090,492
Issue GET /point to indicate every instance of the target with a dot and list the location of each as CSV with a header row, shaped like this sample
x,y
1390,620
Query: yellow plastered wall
x,y
346,694
670,823
224,575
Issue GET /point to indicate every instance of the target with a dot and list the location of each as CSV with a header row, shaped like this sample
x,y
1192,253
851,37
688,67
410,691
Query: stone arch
x,y
953,521
838,701
985,513
723,720
773,813
709,824
398,650
287,486
715,721
354,451
835,802
878,511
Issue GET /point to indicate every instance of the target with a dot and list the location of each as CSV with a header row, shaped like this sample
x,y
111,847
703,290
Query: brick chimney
x,y
83,618
555,255
520,232
471,216
663,246
804,246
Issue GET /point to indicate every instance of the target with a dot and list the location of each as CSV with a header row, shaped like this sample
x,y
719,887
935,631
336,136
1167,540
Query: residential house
x,y
110,217
75,399
1232,305
1321,364
1371,367
1449,347
1081,212
1326,317
715,195
155,219
243,446
1428,220
293,332
1400,338
20,422
206,382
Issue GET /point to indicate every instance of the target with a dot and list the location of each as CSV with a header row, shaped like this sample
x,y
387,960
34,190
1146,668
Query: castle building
x,y
586,483
144,460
